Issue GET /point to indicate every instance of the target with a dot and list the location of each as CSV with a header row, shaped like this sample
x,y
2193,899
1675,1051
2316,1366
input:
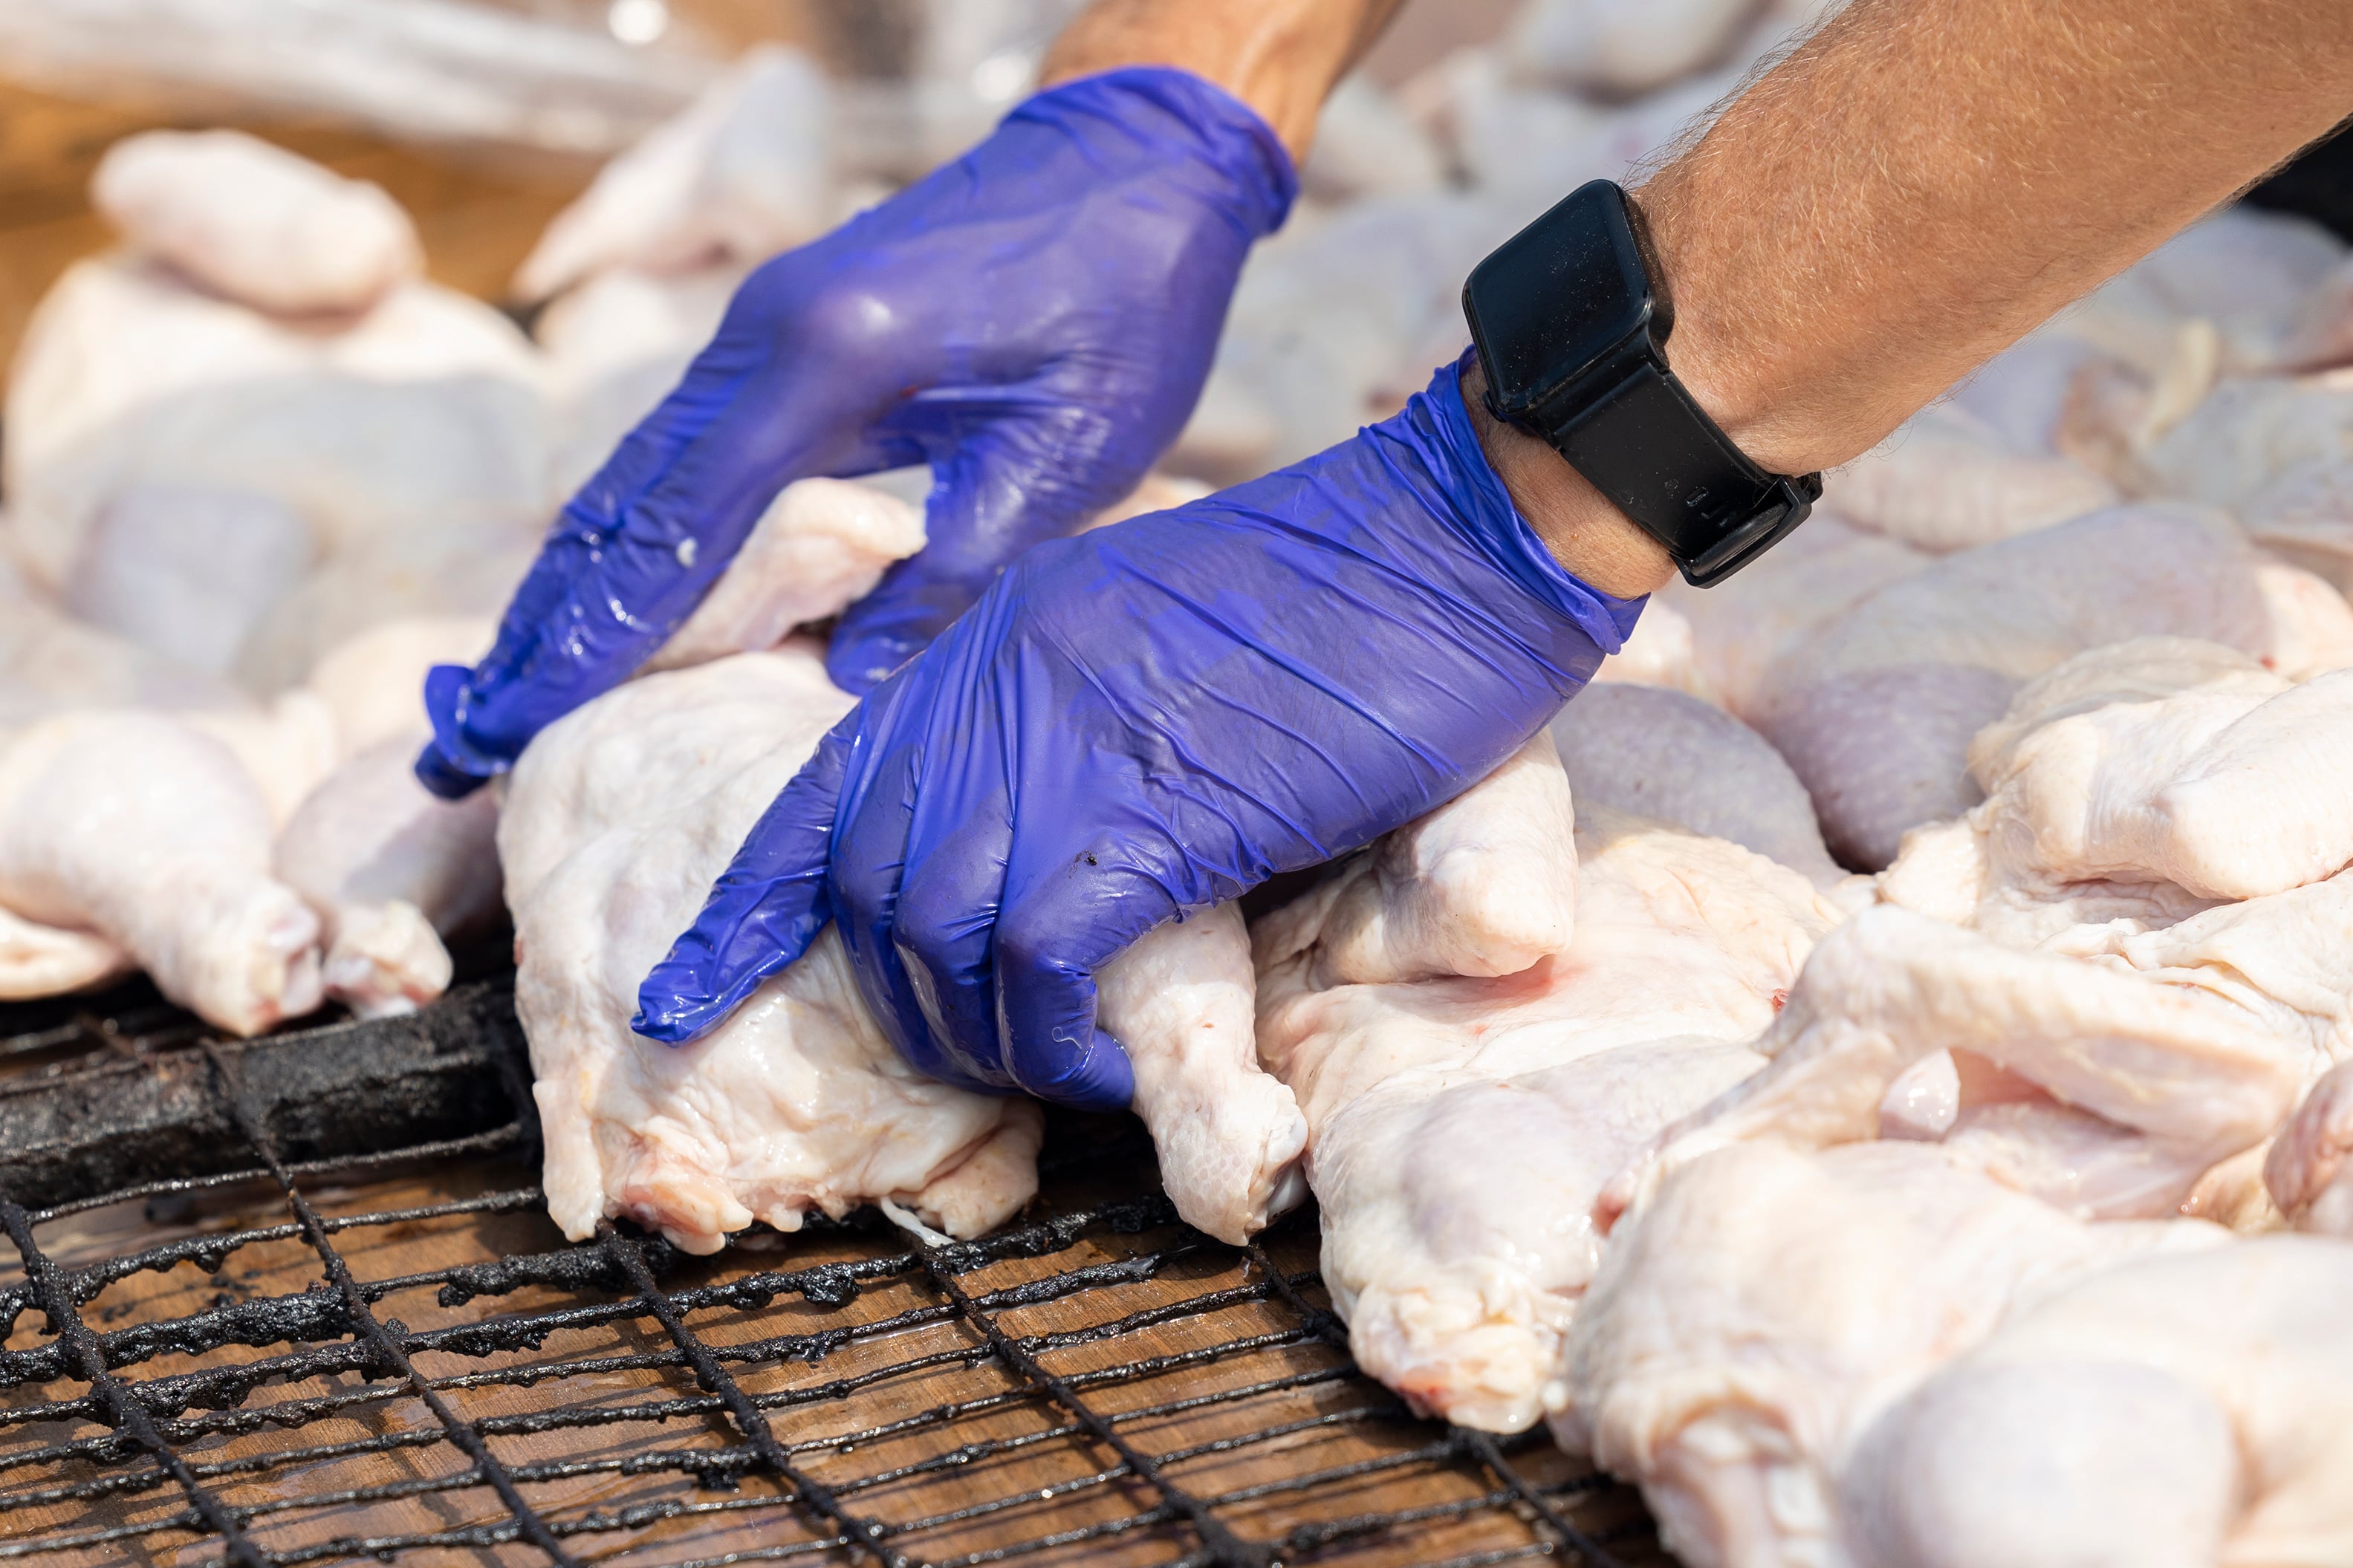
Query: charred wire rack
x,y
297,1300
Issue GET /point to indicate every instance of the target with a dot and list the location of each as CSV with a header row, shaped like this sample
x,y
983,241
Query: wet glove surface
x,y
1034,320
1148,719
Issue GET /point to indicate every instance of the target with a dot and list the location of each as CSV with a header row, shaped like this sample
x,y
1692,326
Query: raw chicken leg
x,y
255,223
392,870
1461,1126
617,820
135,827
1231,1138
1752,1320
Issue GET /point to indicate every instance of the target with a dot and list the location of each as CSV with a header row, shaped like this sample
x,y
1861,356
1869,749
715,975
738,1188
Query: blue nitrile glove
x,y
1034,320
1148,719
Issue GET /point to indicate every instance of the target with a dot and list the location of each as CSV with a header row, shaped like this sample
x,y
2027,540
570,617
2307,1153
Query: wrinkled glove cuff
x,y
1180,114
1482,510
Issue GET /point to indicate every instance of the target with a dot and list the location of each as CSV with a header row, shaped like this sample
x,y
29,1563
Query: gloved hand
x,y
1035,321
1147,718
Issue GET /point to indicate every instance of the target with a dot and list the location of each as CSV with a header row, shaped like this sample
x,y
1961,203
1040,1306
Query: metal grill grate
x,y
297,1300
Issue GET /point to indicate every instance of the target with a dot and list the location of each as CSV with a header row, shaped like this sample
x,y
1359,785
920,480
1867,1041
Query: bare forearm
x,y
1280,56
1926,181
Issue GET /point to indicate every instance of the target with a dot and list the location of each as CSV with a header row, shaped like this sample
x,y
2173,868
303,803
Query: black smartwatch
x,y
1572,328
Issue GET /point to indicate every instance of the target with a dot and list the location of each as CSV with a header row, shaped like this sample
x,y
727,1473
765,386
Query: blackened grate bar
x,y
296,1301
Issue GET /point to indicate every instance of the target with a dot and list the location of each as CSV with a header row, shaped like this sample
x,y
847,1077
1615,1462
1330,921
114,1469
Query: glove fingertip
x,y
1101,1078
747,932
449,767
677,1004
860,664
441,775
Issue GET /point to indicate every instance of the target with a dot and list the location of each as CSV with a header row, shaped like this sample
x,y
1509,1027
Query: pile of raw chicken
x,y
1870,1074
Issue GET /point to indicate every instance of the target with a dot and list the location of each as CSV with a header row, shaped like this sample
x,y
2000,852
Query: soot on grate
x,y
297,1300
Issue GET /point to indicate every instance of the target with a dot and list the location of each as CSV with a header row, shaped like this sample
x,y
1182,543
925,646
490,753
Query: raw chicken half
x,y
618,819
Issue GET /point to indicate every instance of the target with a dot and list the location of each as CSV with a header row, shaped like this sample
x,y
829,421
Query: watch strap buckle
x,y
1786,505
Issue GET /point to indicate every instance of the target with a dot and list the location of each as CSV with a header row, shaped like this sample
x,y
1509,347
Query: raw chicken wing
x,y
2147,1084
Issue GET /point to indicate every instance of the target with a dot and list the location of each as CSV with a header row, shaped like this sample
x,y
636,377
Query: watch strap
x,y
1644,441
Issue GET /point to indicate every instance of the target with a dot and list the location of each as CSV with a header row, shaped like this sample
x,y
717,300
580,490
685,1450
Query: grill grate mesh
x,y
383,1350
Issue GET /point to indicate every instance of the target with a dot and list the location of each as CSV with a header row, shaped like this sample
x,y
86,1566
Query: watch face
x,y
1561,294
